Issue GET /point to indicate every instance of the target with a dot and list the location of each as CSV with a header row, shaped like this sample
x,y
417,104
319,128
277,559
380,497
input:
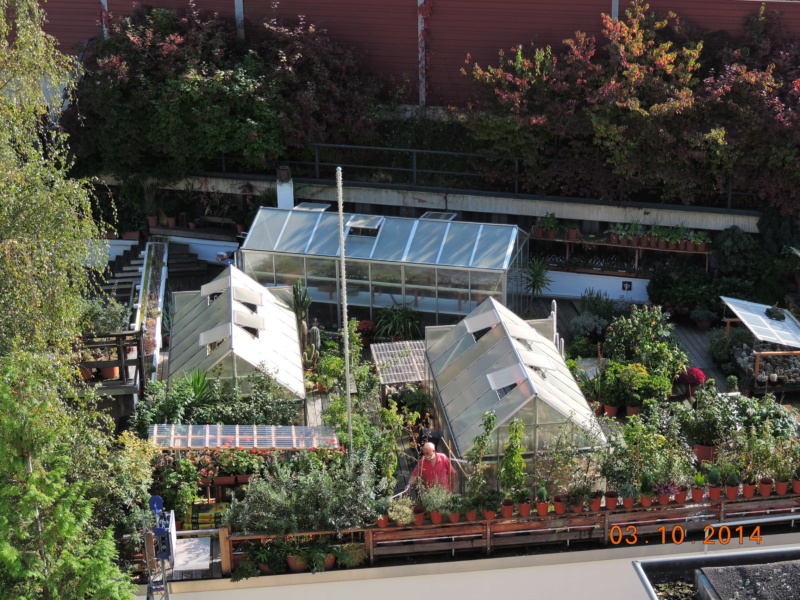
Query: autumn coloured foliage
x,y
651,111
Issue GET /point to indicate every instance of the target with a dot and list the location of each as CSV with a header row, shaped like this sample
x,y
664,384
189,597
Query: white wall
x,y
205,249
572,285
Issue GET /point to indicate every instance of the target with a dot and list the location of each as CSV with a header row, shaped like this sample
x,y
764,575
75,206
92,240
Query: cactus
x,y
310,357
314,339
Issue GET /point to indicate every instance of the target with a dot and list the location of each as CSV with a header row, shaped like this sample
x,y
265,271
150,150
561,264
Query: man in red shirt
x,y
434,469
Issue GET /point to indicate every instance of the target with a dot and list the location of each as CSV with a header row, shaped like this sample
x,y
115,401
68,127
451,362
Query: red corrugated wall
x,y
385,31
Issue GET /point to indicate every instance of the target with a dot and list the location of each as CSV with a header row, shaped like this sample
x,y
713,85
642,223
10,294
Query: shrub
x,y
597,302
581,348
589,326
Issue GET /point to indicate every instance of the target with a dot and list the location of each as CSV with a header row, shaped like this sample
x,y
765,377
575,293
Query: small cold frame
x,y
266,437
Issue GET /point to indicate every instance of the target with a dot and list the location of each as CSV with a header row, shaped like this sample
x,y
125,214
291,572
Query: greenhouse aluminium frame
x,y
441,268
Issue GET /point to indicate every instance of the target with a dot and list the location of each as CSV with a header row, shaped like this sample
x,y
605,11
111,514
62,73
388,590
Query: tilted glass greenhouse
x,y
441,268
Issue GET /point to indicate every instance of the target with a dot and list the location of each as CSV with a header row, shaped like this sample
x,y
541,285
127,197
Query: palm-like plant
x,y
536,276
398,322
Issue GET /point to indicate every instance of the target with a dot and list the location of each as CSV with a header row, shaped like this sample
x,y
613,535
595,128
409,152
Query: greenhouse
x,y
442,268
231,327
494,360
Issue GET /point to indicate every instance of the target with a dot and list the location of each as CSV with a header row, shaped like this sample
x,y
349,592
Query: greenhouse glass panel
x,y
386,295
323,290
478,297
420,276
458,244
326,236
548,434
358,294
357,270
393,239
427,242
288,269
490,282
422,299
298,231
453,279
440,363
359,246
321,268
259,266
470,417
453,303
386,273
547,414
493,247
269,225
242,436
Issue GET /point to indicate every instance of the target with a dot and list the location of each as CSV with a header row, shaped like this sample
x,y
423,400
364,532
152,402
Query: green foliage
x,y
511,469
400,511
645,337
398,322
536,276
48,538
736,252
597,302
581,348
720,347
435,499
588,327
104,315
157,78
480,446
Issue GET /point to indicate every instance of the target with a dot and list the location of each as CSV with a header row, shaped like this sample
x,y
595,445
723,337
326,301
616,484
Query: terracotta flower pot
x,y
152,221
682,245
383,521
558,505
192,225
507,509
701,246
796,486
263,569
572,235
172,221
550,234
704,453
330,560
611,411
578,508
454,517
109,372
436,517
594,504
538,232
781,487
663,499
419,515
489,514
296,565
748,490
646,500
662,244
86,373
697,494
714,492
612,498
765,486
542,508
731,491
632,410
628,502
471,515
525,509
690,246
680,495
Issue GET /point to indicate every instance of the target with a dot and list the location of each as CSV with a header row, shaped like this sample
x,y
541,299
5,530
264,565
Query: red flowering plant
x,y
239,461
692,377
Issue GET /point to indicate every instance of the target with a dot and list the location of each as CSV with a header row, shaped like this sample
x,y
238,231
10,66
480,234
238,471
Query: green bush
x,y
581,348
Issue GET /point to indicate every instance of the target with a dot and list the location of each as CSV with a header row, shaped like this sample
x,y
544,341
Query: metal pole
x,y
346,325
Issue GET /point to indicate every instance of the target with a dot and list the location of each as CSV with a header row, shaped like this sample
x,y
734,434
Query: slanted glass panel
x,y
265,229
386,295
547,414
548,435
493,247
323,290
364,221
459,244
321,268
288,269
486,281
422,299
386,273
326,236
477,297
358,294
357,270
427,242
468,421
359,246
298,232
393,239
457,349
420,276
259,266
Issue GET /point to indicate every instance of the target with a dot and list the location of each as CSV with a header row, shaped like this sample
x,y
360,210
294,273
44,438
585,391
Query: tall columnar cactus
x,y
310,357
314,338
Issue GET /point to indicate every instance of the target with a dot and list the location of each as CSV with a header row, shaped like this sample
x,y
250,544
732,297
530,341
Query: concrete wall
x,y
572,285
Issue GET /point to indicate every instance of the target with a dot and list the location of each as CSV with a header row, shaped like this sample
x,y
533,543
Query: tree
x,y
47,226
49,546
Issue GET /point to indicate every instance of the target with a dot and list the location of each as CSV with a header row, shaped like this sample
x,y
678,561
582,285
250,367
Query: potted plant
x,y
577,496
698,487
646,489
732,481
690,378
573,230
521,497
546,226
595,500
629,494
542,503
664,491
714,479
703,317
436,501
382,509
400,511
269,558
536,276
511,469
701,240
456,507
612,497
491,501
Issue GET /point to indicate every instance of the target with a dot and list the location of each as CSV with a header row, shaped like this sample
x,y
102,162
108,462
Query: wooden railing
x,y
487,535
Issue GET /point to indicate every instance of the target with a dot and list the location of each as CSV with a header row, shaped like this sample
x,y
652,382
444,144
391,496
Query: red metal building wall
x,y
385,31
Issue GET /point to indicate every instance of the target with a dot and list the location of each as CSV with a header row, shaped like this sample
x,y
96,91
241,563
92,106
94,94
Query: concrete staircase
x,y
181,262
123,275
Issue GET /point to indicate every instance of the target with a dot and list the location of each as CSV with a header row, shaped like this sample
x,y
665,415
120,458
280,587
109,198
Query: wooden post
x,y
369,541
225,549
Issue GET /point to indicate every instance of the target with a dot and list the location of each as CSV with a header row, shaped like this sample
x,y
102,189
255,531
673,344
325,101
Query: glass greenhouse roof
x,y
786,333
400,362
420,241
264,437
493,360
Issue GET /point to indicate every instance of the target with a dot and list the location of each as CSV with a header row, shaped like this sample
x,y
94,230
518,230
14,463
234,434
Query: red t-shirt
x,y
435,473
